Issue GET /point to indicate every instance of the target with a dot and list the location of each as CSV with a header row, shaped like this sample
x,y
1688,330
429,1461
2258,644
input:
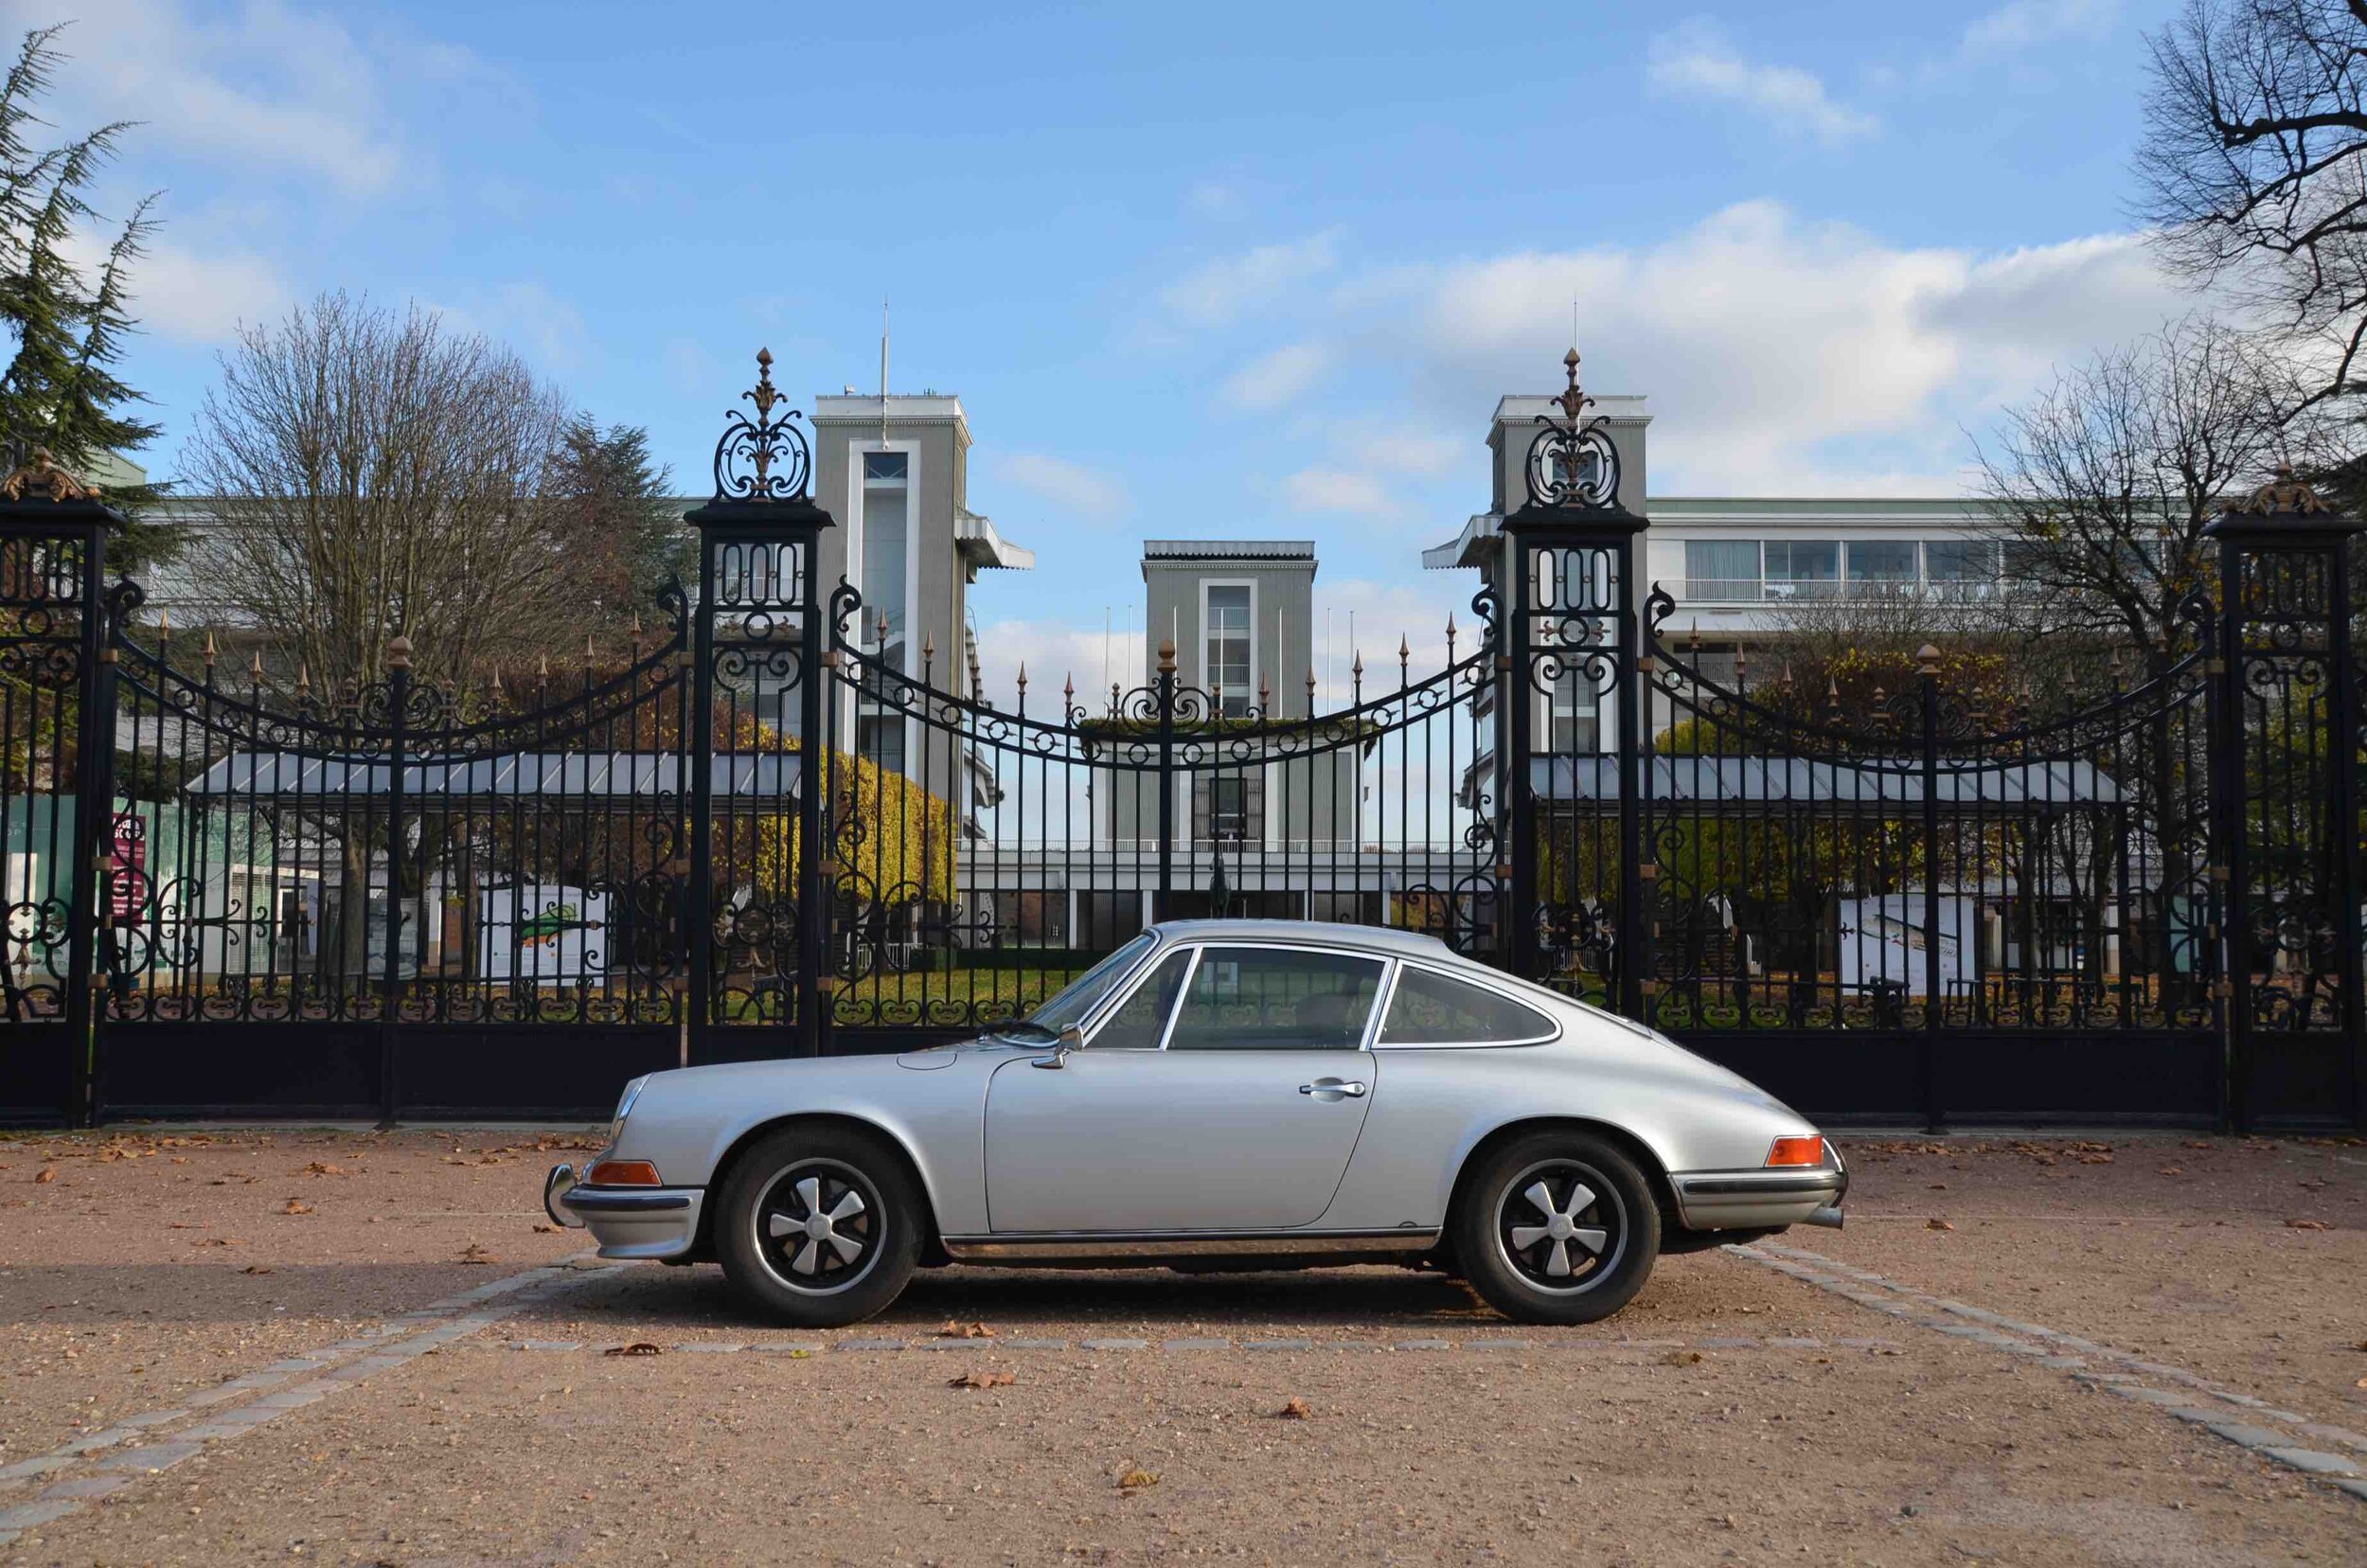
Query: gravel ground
x,y
144,1267
1732,1413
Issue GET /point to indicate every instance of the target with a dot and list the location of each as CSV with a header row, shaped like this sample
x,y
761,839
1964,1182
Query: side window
x,y
1136,1025
1431,1010
1276,999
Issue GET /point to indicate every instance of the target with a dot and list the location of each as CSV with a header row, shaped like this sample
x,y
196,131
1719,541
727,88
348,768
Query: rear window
x,y
1432,1009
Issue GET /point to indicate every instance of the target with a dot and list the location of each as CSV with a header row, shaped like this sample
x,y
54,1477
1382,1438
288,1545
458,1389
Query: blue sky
x,y
1197,270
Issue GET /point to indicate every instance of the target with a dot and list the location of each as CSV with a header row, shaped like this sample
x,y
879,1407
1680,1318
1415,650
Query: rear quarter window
x,y
1429,1008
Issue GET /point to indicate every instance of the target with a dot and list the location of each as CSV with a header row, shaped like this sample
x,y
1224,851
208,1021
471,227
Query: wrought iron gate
x,y
766,831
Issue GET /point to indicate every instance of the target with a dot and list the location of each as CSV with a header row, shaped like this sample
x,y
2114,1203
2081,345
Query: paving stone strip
x,y
243,1403
2121,1376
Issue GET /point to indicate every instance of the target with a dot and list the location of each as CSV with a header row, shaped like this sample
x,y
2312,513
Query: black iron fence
x,y
773,829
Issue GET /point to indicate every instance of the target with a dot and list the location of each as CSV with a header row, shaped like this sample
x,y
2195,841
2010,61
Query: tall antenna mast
x,y
884,351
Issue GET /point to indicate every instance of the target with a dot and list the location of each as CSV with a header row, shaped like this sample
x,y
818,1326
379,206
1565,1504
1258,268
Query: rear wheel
x,y
1558,1227
818,1226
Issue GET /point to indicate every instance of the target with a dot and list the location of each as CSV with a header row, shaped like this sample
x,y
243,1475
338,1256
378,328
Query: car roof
x,y
1410,944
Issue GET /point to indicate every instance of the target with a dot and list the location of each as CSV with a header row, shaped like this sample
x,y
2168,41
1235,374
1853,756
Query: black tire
x,y
761,1237
1605,1243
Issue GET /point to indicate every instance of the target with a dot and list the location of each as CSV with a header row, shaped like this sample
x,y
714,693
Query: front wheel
x,y
1558,1227
818,1226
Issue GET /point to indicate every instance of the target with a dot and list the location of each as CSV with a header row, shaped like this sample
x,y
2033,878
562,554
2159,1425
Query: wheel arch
x,y
1655,1171
931,1247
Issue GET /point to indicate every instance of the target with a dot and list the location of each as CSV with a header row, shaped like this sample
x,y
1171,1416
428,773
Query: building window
x,y
1574,715
1228,809
1883,561
887,529
879,738
1722,568
1228,660
1961,568
1803,568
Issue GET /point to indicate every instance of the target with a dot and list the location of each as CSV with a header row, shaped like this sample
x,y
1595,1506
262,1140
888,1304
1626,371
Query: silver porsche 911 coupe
x,y
1218,1094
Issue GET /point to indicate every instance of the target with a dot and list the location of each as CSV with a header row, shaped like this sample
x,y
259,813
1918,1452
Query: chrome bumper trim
x,y
585,1199
1750,1200
554,1186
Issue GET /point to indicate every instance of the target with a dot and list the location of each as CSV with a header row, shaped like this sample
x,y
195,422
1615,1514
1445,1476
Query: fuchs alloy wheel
x,y
1558,1227
818,1226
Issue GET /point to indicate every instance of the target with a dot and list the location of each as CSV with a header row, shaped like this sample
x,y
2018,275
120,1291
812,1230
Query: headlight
x,y
624,1108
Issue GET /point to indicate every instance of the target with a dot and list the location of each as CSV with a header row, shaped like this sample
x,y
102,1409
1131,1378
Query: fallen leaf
x,y
255,1267
2171,1171
1937,1224
475,1253
965,1330
1939,1186
1134,1479
318,1168
546,1230
984,1380
220,1241
2306,1224
1294,1411
639,1347
297,1205
2360,1346
1683,1358
48,1174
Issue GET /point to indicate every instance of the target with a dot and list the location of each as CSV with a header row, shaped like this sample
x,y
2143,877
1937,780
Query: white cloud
x,y
1695,60
2020,24
1222,290
1339,489
1781,356
260,83
1057,652
180,293
186,293
1275,379
1086,492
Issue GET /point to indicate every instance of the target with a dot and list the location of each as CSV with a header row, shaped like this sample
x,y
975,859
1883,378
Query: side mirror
x,y
1072,1039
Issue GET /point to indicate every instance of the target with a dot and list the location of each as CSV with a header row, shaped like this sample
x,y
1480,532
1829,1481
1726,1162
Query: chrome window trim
x,y
1372,1022
1461,979
1159,955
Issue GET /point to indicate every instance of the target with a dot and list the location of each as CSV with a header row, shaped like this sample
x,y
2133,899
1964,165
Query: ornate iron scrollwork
x,y
1571,462
766,458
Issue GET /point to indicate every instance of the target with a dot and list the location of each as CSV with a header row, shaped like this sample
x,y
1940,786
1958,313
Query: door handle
x,y
1349,1088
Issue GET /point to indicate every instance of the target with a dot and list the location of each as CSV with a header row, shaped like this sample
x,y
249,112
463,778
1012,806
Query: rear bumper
x,y
1752,1200
626,1222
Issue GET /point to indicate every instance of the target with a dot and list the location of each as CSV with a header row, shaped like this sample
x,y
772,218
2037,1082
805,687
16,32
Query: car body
x,y
1221,1093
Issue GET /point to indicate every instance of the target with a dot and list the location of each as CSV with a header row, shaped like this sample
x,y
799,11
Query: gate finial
x,y
2285,495
42,479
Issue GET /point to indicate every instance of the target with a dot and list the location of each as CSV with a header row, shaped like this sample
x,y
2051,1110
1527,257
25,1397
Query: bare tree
x,y
2254,167
2104,482
372,473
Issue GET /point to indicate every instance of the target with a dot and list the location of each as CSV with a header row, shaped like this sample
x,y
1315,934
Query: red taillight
x,y
622,1173
1797,1151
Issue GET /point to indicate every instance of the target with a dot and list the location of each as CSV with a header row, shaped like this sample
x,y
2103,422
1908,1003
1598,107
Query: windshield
x,y
1081,995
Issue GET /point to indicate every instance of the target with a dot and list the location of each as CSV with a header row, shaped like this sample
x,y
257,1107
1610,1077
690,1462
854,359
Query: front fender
x,y
688,1121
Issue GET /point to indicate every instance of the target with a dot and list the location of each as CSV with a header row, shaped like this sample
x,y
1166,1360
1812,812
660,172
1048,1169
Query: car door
x,y
1225,1093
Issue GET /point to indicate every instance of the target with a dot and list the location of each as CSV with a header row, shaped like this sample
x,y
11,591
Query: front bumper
x,y
1754,1200
635,1222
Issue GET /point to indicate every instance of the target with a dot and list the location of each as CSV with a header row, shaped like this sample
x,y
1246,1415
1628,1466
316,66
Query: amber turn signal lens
x,y
622,1173
1797,1151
